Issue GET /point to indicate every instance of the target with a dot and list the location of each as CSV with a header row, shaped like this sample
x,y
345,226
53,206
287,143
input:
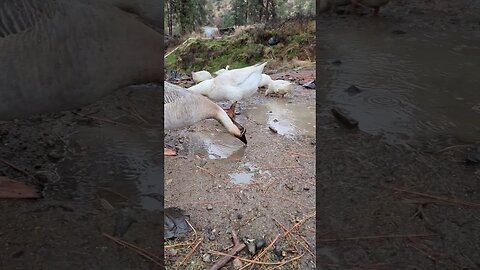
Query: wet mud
x,y
391,195
99,172
224,185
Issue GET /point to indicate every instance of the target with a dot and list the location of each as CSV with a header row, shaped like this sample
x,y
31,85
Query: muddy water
x,y
216,145
414,85
126,161
288,119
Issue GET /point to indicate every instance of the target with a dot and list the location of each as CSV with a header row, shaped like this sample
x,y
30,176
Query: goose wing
x,y
174,93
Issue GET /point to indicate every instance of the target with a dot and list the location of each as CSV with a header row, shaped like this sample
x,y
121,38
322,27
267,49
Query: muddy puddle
x,y
286,118
413,85
127,162
118,163
218,145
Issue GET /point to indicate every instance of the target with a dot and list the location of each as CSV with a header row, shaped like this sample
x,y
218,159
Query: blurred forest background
x,y
186,16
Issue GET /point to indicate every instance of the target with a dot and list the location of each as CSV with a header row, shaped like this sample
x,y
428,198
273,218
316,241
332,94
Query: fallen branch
x,y
252,261
392,236
238,246
138,250
11,189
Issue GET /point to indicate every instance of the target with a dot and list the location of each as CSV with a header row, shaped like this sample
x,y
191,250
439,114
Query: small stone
x,y
250,245
348,121
336,62
209,207
237,264
171,252
206,258
398,32
259,244
272,129
288,186
310,85
473,156
278,250
239,216
306,188
274,40
353,90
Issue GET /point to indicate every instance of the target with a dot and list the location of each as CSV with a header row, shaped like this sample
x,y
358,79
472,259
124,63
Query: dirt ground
x,y
85,192
385,207
280,163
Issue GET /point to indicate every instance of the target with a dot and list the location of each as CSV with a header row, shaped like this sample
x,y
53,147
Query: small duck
x,y
280,87
375,4
201,76
232,85
183,108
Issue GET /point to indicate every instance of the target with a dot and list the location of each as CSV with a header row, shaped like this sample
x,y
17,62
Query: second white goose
x,y
233,85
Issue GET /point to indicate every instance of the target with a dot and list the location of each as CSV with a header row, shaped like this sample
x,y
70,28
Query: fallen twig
x,y
292,236
18,169
452,147
252,261
140,251
114,192
136,113
391,236
101,119
434,259
440,198
191,252
205,170
238,246
285,262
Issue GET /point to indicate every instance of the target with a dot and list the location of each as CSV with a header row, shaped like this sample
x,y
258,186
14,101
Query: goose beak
x,y
243,130
243,138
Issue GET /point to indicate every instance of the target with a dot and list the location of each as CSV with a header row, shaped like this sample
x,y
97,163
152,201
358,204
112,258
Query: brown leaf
x,y
11,189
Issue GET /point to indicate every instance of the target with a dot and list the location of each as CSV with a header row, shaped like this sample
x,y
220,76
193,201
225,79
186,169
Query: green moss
x,y
247,48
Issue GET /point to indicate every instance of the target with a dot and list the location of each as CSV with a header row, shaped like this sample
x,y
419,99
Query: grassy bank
x,y
246,47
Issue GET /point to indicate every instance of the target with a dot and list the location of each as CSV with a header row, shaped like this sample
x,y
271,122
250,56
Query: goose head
x,y
240,134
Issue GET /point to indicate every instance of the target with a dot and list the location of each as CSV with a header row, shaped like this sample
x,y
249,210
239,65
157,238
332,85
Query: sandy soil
x,y
384,207
281,167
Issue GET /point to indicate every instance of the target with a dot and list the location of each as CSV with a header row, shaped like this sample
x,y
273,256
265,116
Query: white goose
x,y
234,85
265,80
201,76
220,71
183,109
280,87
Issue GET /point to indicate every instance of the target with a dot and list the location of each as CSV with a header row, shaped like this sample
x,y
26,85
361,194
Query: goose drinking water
x,y
183,108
